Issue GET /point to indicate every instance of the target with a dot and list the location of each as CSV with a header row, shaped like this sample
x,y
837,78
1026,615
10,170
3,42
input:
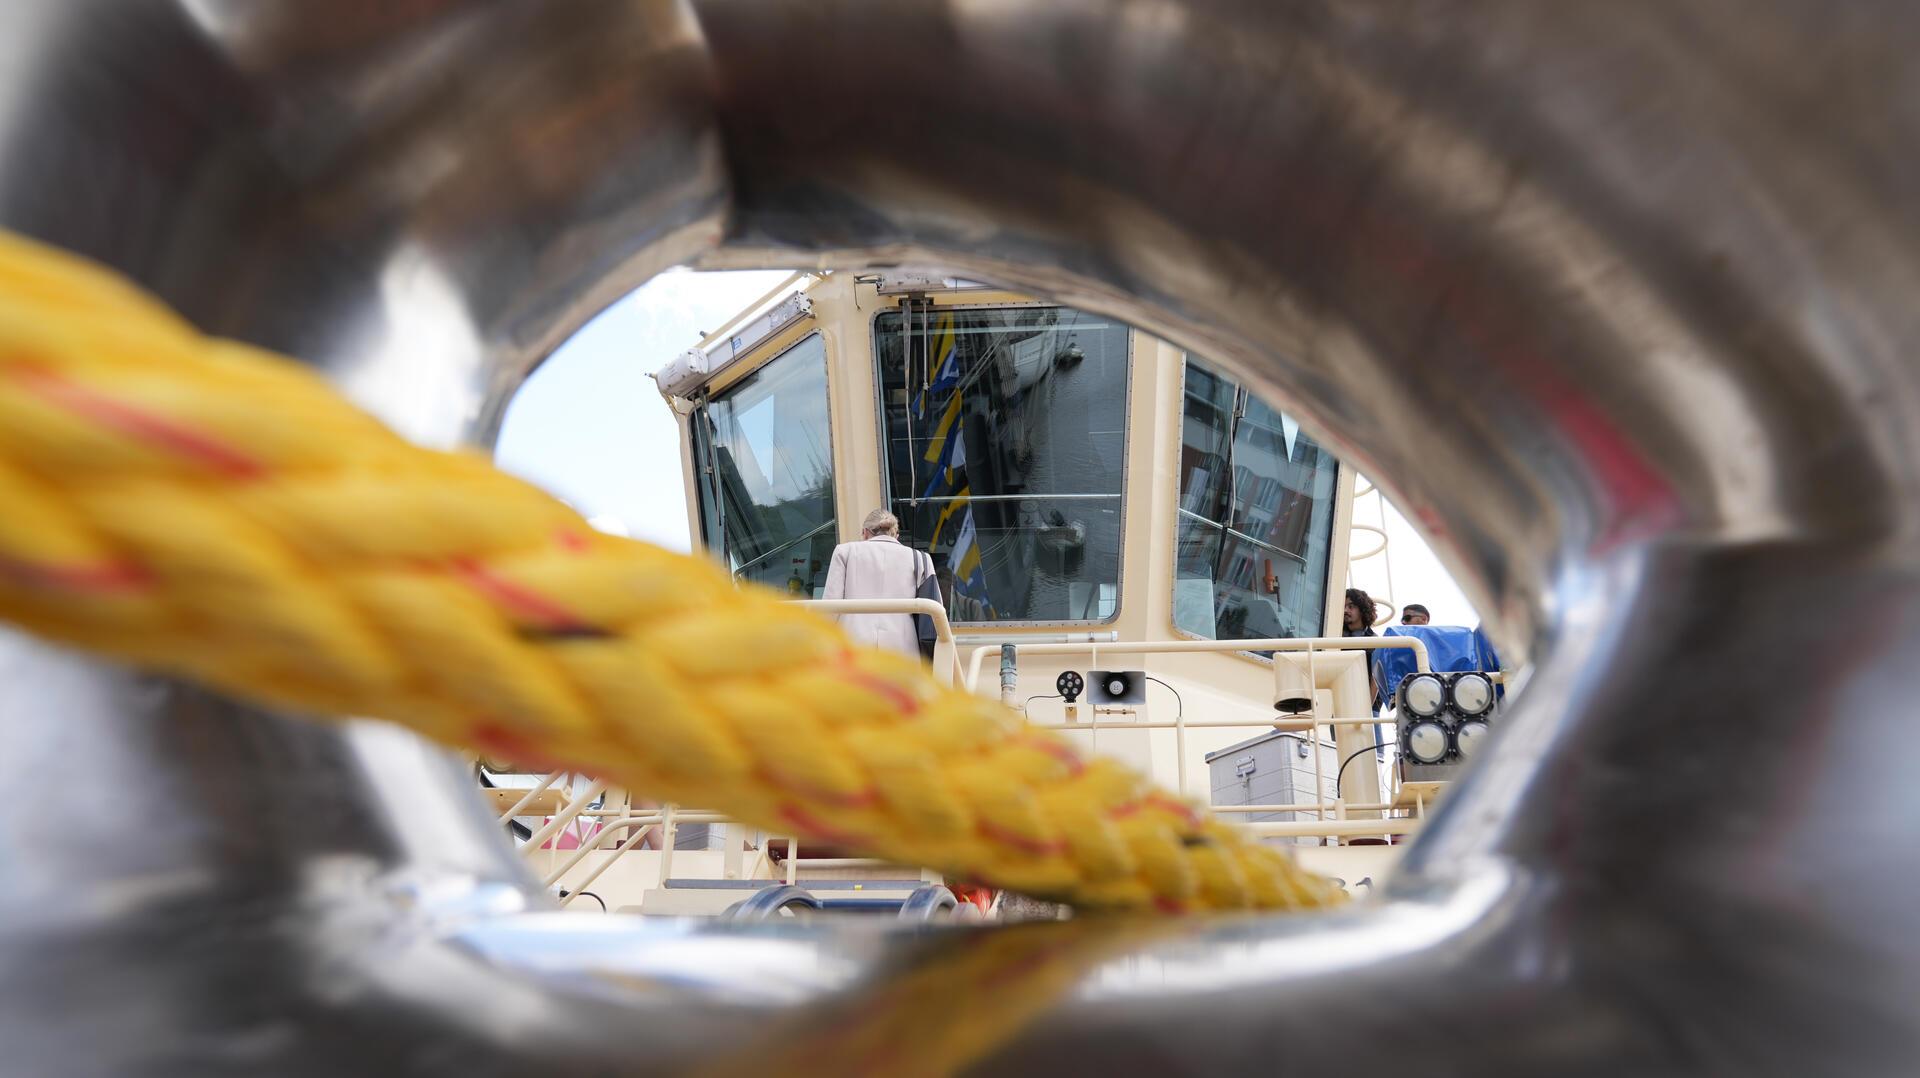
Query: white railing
x,y
945,658
641,821
1379,550
1173,647
667,818
1310,722
526,800
625,816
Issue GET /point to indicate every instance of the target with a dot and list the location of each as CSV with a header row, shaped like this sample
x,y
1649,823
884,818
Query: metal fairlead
x,y
1643,272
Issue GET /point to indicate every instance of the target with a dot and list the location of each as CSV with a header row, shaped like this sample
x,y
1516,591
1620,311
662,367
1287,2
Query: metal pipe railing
x,y
562,818
599,838
669,827
944,634
1205,724
520,806
1308,644
945,651
1307,806
1393,825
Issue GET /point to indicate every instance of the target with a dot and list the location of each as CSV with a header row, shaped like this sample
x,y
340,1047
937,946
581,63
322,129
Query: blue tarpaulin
x,y
1449,647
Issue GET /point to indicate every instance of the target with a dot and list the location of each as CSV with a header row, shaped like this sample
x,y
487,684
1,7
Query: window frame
x,y
700,464
1173,573
884,458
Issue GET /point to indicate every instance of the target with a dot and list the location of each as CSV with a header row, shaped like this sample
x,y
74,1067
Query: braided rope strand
x,y
200,507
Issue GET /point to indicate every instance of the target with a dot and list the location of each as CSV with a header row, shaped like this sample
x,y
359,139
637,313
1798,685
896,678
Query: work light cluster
x,y
1443,717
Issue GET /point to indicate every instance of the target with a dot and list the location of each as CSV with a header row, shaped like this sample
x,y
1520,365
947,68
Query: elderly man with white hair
x,y
879,566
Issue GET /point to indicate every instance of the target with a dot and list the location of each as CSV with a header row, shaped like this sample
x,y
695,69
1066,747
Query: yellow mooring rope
x,y
200,507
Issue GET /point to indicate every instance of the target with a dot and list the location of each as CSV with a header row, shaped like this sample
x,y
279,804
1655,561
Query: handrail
x,y
595,841
1167,647
1287,723
516,808
1307,806
1386,561
605,830
1373,552
1392,825
562,818
669,836
599,838
945,651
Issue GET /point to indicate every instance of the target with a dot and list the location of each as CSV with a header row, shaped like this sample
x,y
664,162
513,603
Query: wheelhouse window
x,y
764,459
1255,519
1005,433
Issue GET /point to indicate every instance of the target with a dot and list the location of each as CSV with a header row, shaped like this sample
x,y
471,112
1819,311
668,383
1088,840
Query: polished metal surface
x,y
1617,298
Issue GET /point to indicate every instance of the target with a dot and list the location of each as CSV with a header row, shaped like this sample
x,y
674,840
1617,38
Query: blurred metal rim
x,y
1615,298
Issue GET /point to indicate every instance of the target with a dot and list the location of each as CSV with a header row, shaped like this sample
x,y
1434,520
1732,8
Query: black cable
x,y
1031,699
1180,704
603,902
1340,774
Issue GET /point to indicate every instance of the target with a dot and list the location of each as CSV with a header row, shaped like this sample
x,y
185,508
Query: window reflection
x,y
765,459
1005,443
1255,517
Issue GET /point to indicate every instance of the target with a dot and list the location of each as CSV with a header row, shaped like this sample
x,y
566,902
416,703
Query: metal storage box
x,y
1275,768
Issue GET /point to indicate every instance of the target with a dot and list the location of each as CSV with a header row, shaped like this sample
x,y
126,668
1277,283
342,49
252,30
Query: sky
x,y
1417,576
590,427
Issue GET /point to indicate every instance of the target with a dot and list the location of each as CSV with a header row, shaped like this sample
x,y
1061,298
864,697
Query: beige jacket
x,y
878,568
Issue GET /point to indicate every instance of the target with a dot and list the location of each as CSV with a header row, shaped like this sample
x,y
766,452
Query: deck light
x,y
1425,741
1422,695
1471,694
1070,685
1466,739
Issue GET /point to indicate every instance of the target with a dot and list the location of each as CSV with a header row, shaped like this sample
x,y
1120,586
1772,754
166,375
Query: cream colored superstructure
x,y
1215,687
589,839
